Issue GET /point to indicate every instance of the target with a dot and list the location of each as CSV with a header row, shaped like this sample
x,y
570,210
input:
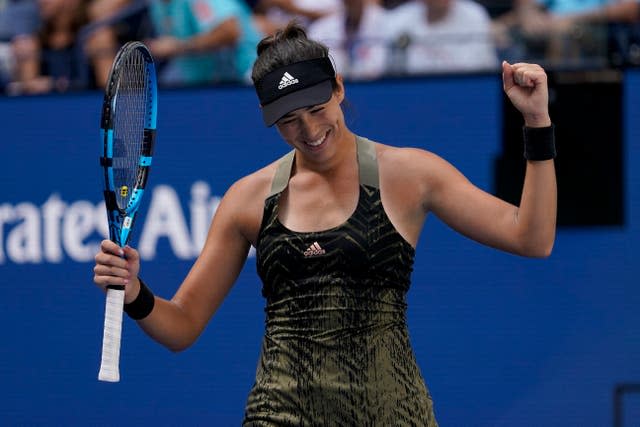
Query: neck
x,y
342,158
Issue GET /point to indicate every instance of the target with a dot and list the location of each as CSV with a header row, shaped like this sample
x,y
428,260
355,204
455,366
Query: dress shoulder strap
x,y
283,172
367,162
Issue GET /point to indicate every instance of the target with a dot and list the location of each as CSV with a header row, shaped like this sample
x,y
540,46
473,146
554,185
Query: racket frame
x,y
121,219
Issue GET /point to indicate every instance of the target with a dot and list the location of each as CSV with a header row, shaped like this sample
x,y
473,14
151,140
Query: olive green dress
x,y
336,349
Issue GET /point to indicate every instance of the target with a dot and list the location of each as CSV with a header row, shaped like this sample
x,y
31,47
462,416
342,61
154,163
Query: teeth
x,y
316,143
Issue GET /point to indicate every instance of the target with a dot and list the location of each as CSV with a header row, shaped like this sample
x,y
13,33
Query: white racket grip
x,y
109,366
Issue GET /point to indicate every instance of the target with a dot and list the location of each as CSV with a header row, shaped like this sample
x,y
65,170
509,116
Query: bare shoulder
x,y
253,186
243,202
403,162
413,176
406,186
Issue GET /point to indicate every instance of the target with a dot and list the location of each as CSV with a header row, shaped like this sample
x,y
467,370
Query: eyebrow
x,y
290,114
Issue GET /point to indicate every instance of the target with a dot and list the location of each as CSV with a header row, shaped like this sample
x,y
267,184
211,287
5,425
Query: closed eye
x,y
290,118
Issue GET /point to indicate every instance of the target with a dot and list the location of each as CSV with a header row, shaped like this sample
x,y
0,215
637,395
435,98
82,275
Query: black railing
x,y
619,392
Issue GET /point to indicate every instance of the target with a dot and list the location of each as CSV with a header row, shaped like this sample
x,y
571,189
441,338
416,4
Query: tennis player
x,y
335,224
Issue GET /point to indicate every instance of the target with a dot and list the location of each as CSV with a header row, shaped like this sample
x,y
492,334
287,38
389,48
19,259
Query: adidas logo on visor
x,y
287,80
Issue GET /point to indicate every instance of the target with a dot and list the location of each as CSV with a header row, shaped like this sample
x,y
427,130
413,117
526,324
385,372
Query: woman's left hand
x,y
526,86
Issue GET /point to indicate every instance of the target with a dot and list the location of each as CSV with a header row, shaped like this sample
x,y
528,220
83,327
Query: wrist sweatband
x,y
539,143
141,307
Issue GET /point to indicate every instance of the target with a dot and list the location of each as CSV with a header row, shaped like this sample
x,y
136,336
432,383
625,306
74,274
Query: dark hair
x,y
286,46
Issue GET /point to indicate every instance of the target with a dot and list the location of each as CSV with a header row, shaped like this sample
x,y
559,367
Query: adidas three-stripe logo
x,y
313,250
287,80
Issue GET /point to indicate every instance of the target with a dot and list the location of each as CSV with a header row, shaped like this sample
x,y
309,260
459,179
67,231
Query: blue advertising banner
x,y
501,340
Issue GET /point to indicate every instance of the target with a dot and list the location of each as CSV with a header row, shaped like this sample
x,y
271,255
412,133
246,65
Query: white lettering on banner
x,y
77,226
5,216
52,214
165,219
23,241
57,229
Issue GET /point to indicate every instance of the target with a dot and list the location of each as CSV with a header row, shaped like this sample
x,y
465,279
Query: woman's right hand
x,y
117,266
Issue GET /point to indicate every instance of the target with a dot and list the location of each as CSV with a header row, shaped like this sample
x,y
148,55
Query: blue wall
x,y
501,340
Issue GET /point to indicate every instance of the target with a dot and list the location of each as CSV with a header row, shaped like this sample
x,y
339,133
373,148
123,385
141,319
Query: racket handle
x,y
109,366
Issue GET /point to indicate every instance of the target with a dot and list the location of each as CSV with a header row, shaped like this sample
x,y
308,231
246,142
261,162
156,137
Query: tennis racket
x,y
128,130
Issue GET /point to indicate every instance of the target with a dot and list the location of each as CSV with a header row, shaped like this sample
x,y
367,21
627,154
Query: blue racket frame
x,y
121,220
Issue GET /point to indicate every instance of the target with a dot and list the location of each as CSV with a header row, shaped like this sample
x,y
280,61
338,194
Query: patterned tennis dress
x,y
336,349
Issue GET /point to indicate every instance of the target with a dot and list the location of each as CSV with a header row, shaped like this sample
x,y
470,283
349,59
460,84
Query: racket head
x,y
128,130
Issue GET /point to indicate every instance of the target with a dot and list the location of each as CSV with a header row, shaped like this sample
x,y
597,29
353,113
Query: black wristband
x,y
539,143
142,306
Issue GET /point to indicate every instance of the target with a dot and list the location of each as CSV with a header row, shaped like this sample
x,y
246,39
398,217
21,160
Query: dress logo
x,y
314,250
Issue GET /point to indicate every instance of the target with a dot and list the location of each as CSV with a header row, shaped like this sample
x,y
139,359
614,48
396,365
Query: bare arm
x,y
527,230
526,86
225,34
527,15
102,9
625,11
101,47
178,322
292,8
27,50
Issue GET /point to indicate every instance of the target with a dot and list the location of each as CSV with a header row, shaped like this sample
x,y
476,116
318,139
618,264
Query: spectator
x,y
621,23
104,9
441,36
203,41
52,59
17,18
353,36
273,15
627,11
548,28
127,19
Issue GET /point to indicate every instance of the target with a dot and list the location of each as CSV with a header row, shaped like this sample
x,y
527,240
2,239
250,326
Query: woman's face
x,y
315,130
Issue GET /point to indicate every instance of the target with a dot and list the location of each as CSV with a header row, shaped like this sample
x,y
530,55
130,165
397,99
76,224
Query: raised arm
x,y
527,230
526,87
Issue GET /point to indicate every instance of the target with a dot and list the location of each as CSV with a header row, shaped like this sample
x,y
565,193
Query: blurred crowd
x,y
62,45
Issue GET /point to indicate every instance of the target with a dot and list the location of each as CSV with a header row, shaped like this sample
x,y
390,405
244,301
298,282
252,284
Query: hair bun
x,y
292,32
286,46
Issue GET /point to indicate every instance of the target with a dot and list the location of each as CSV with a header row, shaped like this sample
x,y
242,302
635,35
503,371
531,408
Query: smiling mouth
x,y
317,142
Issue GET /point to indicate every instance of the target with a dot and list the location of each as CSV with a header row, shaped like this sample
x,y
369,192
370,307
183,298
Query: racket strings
x,y
130,106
